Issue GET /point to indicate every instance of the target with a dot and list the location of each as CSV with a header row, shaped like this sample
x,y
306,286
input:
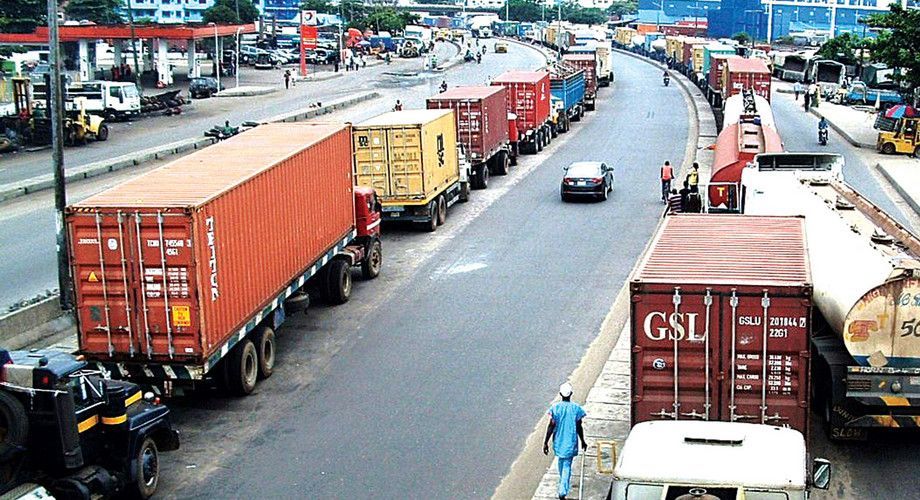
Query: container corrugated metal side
x,y
588,63
721,304
568,84
482,118
528,97
408,157
717,63
170,265
743,73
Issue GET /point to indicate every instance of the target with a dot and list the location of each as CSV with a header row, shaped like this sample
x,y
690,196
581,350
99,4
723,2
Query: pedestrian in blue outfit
x,y
565,428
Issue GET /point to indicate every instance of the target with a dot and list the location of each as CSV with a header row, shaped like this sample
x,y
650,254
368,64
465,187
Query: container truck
x,y
687,460
722,332
828,75
717,63
528,99
588,64
711,50
183,274
794,67
866,344
603,57
567,84
742,74
481,115
410,159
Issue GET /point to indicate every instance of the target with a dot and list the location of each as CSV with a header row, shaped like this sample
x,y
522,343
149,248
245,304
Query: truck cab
x,y
76,432
708,460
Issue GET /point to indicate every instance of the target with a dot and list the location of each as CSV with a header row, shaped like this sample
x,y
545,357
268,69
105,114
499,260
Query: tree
x,y
590,16
351,10
897,45
843,48
384,19
321,6
22,16
97,11
742,37
623,8
527,11
224,12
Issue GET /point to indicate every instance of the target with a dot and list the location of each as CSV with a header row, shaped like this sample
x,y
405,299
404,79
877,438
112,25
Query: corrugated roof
x,y
747,65
407,117
192,180
477,92
578,57
520,76
728,249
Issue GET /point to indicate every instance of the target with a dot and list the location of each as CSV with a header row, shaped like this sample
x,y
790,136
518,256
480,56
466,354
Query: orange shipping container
x,y
177,265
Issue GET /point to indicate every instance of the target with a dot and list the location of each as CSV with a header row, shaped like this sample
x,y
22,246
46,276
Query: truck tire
x,y
464,192
501,163
146,465
103,134
917,152
554,131
370,267
110,115
264,340
337,282
442,210
888,148
14,426
481,180
538,142
243,368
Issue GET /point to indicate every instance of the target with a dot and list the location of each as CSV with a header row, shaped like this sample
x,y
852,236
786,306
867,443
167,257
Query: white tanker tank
x,y
866,273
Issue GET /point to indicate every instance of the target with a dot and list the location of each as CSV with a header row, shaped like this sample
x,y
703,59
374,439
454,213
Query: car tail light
x,y
597,180
569,181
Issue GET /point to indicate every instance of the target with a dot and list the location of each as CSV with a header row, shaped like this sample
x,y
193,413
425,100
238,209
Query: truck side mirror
x,y
821,473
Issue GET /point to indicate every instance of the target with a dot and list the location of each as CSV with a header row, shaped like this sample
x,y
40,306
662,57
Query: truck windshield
x,y
130,91
637,491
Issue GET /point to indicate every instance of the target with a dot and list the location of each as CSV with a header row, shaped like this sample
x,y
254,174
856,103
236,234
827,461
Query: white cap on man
x,y
565,390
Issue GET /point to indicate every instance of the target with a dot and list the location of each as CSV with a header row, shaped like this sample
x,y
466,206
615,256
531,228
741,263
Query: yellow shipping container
x,y
698,53
410,158
550,35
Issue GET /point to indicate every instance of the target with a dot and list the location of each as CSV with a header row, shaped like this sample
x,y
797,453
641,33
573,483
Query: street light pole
x,y
236,62
217,55
57,156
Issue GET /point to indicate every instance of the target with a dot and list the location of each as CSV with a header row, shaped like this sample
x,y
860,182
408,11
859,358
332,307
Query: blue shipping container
x,y
568,85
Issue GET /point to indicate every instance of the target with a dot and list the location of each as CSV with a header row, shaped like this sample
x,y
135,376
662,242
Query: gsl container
x,y
528,98
587,63
742,74
721,318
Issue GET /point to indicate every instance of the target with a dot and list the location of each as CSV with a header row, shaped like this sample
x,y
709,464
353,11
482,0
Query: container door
x,y
371,160
675,357
757,328
167,314
103,279
469,128
404,150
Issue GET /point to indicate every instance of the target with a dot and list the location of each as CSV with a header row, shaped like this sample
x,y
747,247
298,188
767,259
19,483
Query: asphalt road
x,y
27,228
426,384
201,115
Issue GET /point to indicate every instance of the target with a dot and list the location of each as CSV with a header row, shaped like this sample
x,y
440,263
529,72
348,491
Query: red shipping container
x,y
742,73
717,63
714,296
172,265
528,97
482,118
588,63
687,56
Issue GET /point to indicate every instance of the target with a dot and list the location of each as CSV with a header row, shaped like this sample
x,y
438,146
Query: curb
x,y
897,187
246,93
43,182
16,327
841,131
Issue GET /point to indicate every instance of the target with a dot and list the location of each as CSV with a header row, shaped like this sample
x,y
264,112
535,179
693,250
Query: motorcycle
x,y
822,136
667,81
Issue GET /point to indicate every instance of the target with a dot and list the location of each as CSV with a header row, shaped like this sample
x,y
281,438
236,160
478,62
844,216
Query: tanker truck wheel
x,y
242,368
370,268
337,282
14,426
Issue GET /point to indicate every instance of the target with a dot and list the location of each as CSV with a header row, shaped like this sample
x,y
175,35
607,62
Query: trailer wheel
x,y
501,163
888,148
103,133
554,131
264,339
14,426
370,268
146,469
338,282
538,142
243,370
442,210
465,192
481,180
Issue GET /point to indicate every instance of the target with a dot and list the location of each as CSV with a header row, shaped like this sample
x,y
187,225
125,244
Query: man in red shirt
x,y
667,173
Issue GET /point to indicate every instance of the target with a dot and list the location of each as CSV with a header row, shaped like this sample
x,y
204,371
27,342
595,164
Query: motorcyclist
x,y
666,77
822,131
822,124
443,86
478,58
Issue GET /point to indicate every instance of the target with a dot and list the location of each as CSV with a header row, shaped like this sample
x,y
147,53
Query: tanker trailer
x,y
866,273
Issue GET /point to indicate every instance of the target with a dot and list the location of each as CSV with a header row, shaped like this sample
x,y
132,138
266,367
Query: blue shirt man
x,y
565,428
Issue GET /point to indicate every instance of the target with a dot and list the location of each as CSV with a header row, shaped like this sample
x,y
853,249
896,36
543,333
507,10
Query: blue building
x,y
672,11
190,11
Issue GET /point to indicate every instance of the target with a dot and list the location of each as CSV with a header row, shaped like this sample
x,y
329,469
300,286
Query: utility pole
x,y
137,69
57,157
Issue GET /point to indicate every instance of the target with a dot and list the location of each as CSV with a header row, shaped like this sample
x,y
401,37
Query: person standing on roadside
x,y
565,428
693,178
667,174
807,98
287,79
797,90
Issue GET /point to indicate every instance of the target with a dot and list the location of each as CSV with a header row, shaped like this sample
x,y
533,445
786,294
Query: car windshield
x,y
583,170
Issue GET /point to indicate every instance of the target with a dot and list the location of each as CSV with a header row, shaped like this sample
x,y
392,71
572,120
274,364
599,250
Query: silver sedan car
x,y
587,178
